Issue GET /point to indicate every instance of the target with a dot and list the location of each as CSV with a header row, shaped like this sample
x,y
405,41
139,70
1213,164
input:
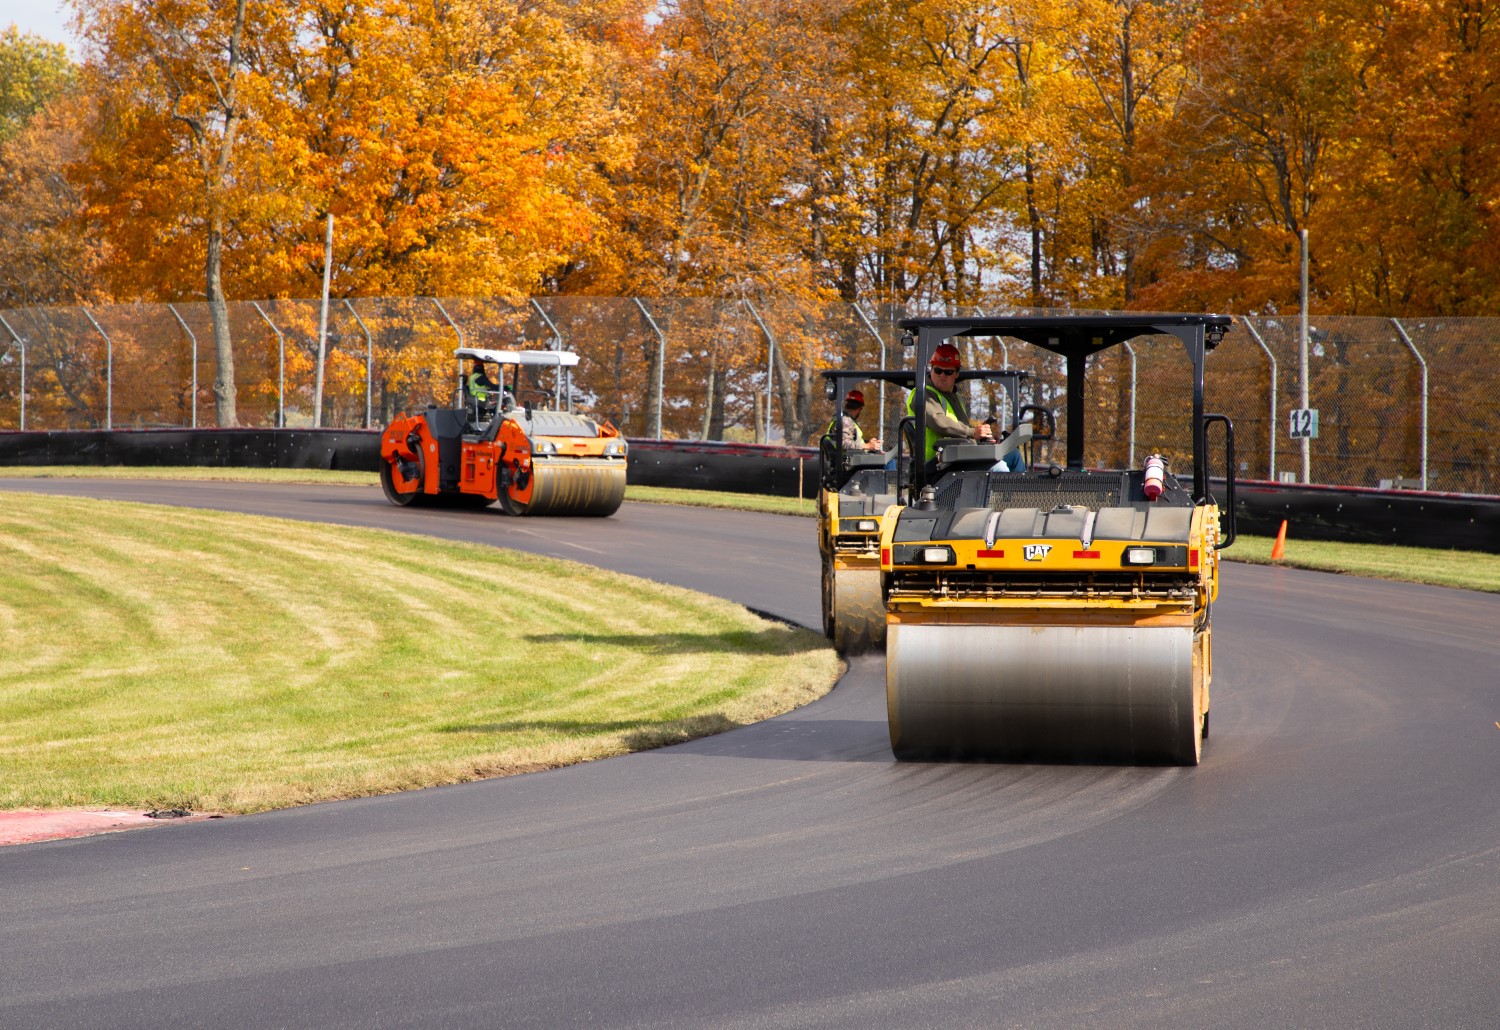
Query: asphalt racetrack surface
x,y
1334,862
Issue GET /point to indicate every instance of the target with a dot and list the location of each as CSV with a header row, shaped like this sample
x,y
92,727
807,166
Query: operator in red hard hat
x,y
947,415
847,424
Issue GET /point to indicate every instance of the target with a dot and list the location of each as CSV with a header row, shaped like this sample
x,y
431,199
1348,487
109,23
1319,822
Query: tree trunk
x,y
225,410
711,387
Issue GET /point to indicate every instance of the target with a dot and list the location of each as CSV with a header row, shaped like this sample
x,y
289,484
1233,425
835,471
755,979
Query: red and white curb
x,y
33,827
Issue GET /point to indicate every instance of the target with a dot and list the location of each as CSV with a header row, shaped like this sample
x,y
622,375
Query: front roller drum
x,y
567,486
855,606
1108,694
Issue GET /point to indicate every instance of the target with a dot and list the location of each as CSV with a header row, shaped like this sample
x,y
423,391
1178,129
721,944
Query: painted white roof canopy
x,y
554,358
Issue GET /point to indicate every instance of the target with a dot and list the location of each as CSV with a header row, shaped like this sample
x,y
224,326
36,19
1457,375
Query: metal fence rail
x,y
1412,403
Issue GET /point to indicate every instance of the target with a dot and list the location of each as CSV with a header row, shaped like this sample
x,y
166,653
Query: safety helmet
x,y
946,357
854,399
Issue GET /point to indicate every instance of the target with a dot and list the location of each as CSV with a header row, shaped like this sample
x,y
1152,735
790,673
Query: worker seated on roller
x,y
484,393
947,415
846,426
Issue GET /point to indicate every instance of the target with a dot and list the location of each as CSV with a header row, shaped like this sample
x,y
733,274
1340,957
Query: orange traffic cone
x,y
1278,551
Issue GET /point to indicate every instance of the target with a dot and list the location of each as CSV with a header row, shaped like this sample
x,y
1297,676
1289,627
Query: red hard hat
x,y
854,397
945,356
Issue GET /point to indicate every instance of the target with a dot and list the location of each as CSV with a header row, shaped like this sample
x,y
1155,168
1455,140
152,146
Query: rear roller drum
x,y
400,490
827,591
857,604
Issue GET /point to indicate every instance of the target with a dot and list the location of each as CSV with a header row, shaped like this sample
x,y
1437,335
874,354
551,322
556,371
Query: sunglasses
x,y
945,371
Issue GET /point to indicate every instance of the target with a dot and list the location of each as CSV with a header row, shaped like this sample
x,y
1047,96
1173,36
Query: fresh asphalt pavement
x,y
1335,860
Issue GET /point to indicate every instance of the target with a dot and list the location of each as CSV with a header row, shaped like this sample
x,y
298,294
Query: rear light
x,y
1140,556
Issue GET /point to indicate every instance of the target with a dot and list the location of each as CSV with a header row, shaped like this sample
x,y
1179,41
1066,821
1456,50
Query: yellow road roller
x,y
533,460
857,487
1062,613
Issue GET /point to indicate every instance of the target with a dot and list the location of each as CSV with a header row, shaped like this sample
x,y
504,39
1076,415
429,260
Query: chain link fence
x,y
1409,403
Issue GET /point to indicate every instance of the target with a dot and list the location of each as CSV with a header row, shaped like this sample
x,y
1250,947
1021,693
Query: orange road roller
x,y
532,460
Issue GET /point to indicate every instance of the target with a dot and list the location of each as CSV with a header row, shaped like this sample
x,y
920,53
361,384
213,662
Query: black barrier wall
x,y
1350,514
357,450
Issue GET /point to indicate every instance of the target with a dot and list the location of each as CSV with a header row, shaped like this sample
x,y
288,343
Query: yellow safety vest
x,y
932,434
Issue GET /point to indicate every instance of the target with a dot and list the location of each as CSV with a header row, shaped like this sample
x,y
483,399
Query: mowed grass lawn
x,y
170,658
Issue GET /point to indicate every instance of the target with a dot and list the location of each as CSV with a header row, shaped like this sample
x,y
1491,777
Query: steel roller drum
x,y
858,606
1042,693
575,486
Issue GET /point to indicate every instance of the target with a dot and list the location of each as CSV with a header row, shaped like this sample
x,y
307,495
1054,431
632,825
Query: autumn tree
x,y
166,182
44,258
1245,165
33,73
926,149
1414,225
1127,56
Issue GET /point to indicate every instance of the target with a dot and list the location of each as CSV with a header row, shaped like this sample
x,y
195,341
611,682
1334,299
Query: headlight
x,y
1140,556
544,447
615,447
867,526
922,554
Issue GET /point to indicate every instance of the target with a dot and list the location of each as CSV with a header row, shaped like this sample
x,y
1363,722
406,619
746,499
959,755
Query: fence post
x,y
661,364
1271,424
871,326
1130,458
770,359
460,332
193,340
557,346
369,360
1302,358
280,366
1423,362
109,372
323,324
22,344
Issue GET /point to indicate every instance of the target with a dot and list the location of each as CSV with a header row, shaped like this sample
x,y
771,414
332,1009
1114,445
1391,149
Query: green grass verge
x,y
1468,570
164,657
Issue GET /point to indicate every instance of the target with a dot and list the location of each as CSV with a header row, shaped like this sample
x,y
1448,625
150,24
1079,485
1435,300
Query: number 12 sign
x,y
1304,424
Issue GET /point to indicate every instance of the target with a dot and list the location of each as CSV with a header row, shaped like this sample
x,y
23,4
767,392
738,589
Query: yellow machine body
x,y
1057,633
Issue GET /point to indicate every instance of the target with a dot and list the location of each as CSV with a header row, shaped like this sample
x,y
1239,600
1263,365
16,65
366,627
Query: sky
x,y
45,18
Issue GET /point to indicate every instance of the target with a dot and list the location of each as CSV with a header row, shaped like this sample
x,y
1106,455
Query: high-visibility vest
x,y
836,431
930,448
479,386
